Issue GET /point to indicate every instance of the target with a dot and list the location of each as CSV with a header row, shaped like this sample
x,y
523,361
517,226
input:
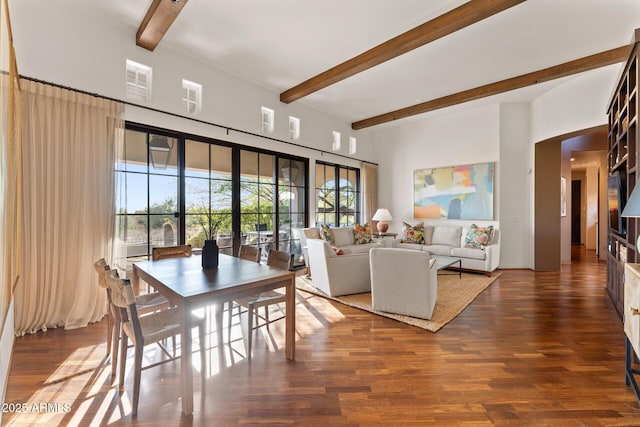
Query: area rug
x,y
454,295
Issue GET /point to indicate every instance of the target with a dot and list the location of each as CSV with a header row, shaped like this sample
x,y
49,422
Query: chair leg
x,y
137,370
109,333
250,332
124,343
115,339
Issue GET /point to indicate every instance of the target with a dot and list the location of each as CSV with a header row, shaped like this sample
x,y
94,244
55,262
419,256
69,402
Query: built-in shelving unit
x,y
623,162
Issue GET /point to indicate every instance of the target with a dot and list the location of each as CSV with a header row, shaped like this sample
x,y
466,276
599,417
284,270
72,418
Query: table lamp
x,y
632,209
382,216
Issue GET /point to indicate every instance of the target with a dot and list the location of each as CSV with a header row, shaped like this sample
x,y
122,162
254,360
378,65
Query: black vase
x,y
210,252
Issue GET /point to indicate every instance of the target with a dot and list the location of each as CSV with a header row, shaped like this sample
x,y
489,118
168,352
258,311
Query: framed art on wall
x,y
454,192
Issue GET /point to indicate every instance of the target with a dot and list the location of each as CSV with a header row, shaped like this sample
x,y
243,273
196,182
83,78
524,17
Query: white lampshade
x,y
632,208
382,215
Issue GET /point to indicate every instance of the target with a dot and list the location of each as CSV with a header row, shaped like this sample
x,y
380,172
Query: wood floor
x,y
533,349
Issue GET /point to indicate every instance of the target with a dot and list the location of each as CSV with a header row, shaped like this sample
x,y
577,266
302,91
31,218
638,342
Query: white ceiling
x,y
278,44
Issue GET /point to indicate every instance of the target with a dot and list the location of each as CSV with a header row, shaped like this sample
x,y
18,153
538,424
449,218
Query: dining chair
x,y
171,252
277,259
144,330
250,253
146,303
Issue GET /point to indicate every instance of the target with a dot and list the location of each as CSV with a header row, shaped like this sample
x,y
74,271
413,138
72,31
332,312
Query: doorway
x,y
576,212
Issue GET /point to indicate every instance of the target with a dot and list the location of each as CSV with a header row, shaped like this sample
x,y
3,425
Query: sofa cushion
x,y
412,233
361,249
446,235
343,236
327,234
428,234
414,246
478,237
469,253
442,250
361,234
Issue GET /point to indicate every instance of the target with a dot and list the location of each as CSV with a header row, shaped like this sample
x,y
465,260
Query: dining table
x,y
188,286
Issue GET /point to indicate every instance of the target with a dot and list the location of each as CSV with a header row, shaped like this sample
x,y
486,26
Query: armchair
x,y
338,274
403,281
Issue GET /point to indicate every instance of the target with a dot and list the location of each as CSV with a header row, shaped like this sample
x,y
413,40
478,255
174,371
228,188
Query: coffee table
x,y
443,262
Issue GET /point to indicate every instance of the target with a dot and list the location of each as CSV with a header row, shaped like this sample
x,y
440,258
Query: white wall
x,y
89,53
591,208
516,187
468,137
580,103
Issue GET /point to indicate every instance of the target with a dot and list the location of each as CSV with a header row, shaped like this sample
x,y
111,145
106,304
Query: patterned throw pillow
x,y
361,234
413,233
478,237
326,233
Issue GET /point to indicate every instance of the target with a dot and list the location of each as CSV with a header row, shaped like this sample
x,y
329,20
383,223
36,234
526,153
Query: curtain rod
x,y
228,128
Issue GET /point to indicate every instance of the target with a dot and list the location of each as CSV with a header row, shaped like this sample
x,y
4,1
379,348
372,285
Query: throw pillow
x,y
362,234
478,237
312,233
413,233
326,233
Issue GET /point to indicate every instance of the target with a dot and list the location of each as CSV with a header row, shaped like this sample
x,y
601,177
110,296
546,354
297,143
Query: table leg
x,y
290,340
185,359
135,281
460,269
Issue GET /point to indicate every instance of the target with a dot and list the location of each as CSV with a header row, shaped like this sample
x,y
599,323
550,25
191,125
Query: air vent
x,y
138,81
267,120
191,97
294,128
353,145
336,141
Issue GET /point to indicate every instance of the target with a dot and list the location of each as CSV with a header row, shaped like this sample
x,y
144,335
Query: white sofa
x,y
345,240
403,281
449,240
338,275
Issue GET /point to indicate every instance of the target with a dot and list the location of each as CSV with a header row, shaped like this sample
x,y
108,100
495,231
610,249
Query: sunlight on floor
x,y
81,391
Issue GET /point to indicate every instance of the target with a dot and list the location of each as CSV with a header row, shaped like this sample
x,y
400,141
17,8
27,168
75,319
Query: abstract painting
x,y
454,192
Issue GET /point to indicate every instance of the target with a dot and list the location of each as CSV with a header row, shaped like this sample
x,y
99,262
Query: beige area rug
x,y
454,295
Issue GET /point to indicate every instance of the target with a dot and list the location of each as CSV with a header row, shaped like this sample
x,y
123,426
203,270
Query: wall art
x,y
454,192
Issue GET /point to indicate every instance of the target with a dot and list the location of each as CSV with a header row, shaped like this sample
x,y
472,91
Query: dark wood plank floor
x,y
533,349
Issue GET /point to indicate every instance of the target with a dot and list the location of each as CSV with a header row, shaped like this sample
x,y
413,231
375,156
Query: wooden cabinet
x,y
623,168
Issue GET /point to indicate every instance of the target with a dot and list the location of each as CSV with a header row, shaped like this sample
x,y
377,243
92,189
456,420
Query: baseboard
x,y
7,337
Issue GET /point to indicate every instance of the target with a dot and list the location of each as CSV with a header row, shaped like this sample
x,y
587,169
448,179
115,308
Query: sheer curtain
x,y
369,190
68,146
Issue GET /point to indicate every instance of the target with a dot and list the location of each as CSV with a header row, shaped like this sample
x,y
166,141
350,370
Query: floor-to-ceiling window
x,y
148,204
208,194
181,189
337,194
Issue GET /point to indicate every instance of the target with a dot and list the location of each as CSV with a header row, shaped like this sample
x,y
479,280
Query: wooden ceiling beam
x,y
157,21
587,63
450,22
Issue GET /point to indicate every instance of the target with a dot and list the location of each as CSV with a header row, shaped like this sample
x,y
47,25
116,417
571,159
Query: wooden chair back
x,y
280,259
102,268
249,252
181,251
